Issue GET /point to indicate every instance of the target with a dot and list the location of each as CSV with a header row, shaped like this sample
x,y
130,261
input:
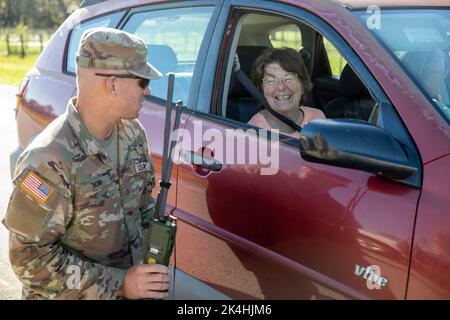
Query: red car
x,y
358,207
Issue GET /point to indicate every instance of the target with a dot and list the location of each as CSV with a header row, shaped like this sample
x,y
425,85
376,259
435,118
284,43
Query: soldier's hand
x,y
146,281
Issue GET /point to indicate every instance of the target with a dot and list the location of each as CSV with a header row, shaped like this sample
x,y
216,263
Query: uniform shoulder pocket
x,y
31,206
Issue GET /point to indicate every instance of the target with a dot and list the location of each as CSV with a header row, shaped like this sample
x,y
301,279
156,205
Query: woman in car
x,y
282,77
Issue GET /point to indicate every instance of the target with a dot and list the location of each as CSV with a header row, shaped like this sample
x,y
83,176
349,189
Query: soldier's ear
x,y
110,85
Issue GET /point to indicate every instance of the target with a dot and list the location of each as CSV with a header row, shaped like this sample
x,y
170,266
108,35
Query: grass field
x,y
14,68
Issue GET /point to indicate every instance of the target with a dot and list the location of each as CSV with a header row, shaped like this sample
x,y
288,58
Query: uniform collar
x,y
88,143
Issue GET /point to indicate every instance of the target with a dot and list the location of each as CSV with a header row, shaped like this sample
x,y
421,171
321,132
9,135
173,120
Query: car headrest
x,y
421,62
162,57
306,56
350,85
427,66
247,56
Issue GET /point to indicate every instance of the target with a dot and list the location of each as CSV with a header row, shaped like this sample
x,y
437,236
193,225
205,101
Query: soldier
x,y
82,188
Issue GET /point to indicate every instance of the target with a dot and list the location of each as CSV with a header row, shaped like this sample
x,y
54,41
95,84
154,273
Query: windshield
x,y
420,39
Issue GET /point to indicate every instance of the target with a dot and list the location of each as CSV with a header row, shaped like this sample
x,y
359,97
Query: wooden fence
x,y
22,44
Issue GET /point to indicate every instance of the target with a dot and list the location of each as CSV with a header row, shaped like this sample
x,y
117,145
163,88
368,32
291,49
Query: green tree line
x,y
35,13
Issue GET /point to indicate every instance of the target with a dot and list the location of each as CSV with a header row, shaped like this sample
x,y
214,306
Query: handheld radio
x,y
160,237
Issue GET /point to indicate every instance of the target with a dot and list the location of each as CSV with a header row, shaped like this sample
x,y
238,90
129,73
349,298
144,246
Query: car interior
x,y
430,67
338,96
164,52
164,58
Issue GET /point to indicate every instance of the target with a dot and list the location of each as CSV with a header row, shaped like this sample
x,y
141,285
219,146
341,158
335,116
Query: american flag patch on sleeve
x,y
36,187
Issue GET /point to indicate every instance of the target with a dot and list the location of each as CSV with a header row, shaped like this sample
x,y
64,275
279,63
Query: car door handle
x,y
196,159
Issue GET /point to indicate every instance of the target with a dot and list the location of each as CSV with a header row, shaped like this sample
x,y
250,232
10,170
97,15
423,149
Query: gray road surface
x,y
9,285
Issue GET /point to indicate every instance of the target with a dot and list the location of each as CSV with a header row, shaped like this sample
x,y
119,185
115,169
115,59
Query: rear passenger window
x,y
286,36
173,37
337,62
109,21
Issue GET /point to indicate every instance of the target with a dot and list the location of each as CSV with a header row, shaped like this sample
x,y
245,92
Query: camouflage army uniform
x,y
78,228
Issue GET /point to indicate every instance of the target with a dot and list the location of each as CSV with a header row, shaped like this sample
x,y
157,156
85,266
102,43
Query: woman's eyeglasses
x,y
143,83
273,81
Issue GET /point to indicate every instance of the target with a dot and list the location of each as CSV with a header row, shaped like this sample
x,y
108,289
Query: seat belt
x,y
248,84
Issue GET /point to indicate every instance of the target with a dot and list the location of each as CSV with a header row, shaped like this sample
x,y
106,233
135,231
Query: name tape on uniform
x,y
36,187
142,166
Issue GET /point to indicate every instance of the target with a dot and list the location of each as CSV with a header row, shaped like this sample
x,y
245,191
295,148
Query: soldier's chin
x,y
132,116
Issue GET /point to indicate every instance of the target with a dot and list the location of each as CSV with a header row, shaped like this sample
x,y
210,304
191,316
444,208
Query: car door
x,y
256,220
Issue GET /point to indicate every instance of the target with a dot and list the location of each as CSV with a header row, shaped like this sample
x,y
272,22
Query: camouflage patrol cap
x,y
112,49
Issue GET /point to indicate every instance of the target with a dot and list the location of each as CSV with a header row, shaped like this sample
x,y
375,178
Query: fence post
x,y
22,47
41,40
8,49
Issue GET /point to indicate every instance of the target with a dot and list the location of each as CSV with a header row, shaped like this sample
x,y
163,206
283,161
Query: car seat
x,y
241,105
430,69
355,101
163,58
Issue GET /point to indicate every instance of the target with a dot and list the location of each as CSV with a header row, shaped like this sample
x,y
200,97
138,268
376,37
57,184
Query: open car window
x,y
340,97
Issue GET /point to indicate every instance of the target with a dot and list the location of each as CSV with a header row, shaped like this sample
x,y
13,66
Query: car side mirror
x,y
356,144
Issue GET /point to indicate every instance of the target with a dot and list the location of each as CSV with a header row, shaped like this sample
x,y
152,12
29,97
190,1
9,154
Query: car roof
x,y
351,4
98,7
364,4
